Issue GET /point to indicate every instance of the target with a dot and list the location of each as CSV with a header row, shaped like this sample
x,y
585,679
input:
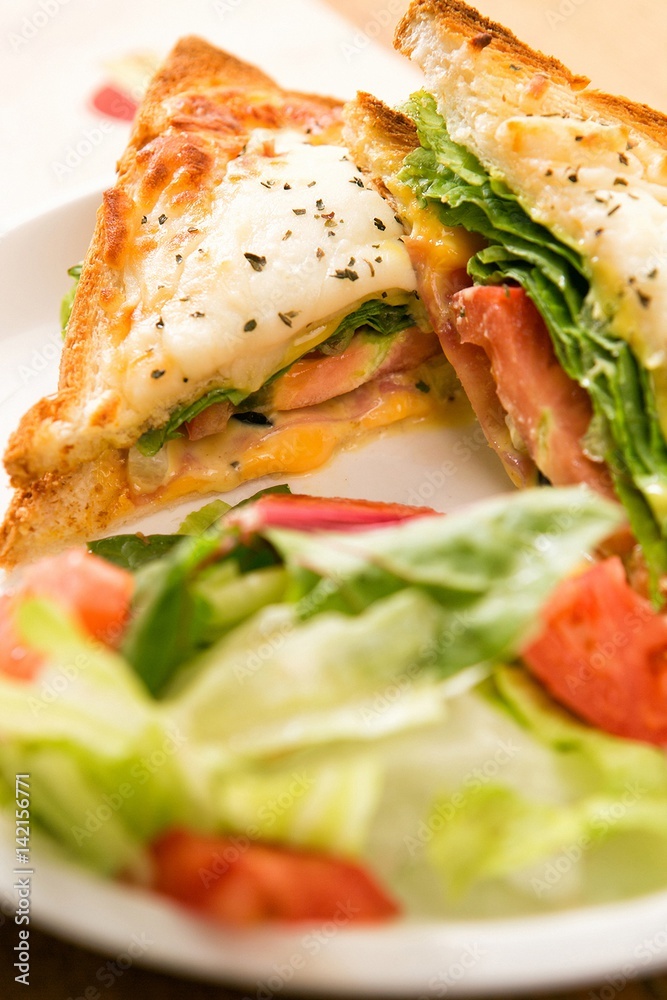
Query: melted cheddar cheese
x,y
296,441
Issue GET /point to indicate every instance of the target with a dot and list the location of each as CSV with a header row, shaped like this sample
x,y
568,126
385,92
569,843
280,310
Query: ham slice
x,y
550,411
318,377
437,287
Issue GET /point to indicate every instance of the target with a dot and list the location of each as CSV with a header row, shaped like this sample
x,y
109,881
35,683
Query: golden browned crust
x,y
393,132
455,20
642,118
197,115
194,62
195,65
71,508
460,21
379,138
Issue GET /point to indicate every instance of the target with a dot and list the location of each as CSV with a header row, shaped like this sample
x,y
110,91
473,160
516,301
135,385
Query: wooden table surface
x,y
621,47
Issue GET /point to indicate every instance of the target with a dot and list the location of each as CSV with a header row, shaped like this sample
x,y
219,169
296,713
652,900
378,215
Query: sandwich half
x,y
537,211
246,306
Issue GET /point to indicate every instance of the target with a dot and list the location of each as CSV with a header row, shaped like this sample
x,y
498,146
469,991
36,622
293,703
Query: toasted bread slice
x,y
555,143
244,309
589,166
197,115
578,173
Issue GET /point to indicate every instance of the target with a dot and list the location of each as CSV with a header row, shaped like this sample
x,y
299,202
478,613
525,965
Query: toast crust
x,y
457,21
196,116
379,138
73,508
392,133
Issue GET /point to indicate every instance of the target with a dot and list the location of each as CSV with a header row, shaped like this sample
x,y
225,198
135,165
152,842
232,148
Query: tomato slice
x,y
17,660
603,653
241,883
97,593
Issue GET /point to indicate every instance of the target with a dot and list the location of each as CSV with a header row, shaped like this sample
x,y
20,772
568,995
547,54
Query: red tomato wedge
x,y
603,654
97,593
306,513
16,659
242,883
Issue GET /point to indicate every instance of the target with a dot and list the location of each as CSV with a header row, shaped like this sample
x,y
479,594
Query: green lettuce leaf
x,y
488,584
110,768
133,551
68,298
183,602
151,442
324,713
323,799
554,275
376,314
105,764
278,683
607,788
199,521
489,569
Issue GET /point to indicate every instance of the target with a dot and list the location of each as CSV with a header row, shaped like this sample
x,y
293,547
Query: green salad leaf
x,y
574,827
489,583
317,799
168,616
340,692
68,298
133,551
87,734
199,521
276,683
450,178
151,441
486,587
186,600
386,320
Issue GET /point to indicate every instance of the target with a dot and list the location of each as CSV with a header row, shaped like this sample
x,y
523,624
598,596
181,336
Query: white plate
x,y
440,467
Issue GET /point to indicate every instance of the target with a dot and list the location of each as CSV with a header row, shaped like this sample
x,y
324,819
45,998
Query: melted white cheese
x,y
321,243
599,201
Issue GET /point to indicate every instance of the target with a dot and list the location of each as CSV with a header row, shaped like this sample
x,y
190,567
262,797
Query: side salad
x,y
298,702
